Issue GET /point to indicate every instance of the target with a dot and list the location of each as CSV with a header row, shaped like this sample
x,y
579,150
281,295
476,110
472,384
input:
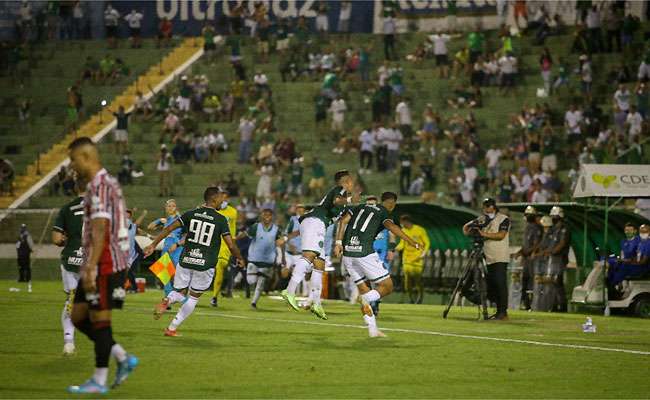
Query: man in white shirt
x,y
492,157
111,19
572,120
521,182
338,108
508,66
634,122
403,118
440,52
134,19
644,72
261,81
622,98
393,139
389,30
593,25
367,145
344,18
246,133
381,145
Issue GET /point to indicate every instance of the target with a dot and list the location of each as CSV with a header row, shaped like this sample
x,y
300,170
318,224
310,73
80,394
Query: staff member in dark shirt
x,y
121,133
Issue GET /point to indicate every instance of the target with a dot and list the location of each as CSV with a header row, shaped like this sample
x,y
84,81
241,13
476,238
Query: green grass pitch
x,y
236,352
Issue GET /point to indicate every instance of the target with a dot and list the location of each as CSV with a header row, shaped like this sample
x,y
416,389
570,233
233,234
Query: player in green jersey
x,y
66,233
205,228
356,233
313,225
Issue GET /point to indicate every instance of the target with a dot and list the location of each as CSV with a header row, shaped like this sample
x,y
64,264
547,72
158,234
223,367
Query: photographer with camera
x,y
493,228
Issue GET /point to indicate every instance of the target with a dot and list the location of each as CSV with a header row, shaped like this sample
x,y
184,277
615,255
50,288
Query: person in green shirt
x,y
66,233
204,227
209,47
313,225
475,41
356,233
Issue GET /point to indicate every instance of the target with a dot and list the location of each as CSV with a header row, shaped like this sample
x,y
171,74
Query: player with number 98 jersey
x,y
204,227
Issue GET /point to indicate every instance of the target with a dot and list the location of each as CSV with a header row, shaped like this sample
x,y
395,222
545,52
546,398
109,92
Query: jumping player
x,y
312,235
356,233
205,228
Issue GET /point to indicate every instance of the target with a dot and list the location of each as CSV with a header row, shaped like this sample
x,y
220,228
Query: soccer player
x,y
223,261
105,243
312,233
356,233
66,233
173,242
265,237
413,258
205,228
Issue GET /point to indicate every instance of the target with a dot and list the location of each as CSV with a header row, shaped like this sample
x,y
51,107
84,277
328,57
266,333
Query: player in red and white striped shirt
x,y
106,248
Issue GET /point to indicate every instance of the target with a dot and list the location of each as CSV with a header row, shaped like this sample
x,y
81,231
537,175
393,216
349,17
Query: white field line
x,y
430,333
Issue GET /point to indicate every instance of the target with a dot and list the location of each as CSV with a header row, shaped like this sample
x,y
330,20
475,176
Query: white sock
x,y
175,297
68,326
371,296
261,280
316,283
118,352
100,376
370,321
297,275
184,312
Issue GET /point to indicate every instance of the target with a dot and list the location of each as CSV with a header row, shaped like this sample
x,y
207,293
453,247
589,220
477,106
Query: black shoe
x,y
213,302
499,317
254,306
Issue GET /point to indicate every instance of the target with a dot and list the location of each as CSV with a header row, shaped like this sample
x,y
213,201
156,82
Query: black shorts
x,y
110,292
442,59
111,31
209,46
508,80
135,31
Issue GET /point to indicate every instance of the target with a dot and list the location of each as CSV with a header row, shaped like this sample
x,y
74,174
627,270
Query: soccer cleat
x,y
124,369
160,308
376,334
290,299
68,349
90,386
171,332
318,310
213,302
254,306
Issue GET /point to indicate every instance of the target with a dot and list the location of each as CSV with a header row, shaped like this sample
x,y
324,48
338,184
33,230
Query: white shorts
x,y
369,268
121,135
291,259
183,103
197,281
282,44
322,23
254,269
312,235
70,280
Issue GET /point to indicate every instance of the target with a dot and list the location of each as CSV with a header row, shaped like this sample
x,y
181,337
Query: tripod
x,y
472,284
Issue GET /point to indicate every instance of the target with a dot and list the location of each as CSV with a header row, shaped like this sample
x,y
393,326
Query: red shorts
x,y
110,292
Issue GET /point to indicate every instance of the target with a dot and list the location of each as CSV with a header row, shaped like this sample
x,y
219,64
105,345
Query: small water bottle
x,y
588,326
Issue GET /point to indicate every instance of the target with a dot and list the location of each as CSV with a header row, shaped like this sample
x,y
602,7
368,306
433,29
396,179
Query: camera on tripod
x,y
475,228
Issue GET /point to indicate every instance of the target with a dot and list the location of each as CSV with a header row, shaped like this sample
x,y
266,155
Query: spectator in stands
x,y
634,122
508,68
546,65
24,108
367,146
573,122
643,74
126,170
612,21
134,20
406,161
521,11
549,148
389,30
622,98
24,248
322,22
345,13
164,33
261,82
586,76
475,44
317,181
142,106
282,33
111,20
338,109
165,174
78,21
393,138
593,22
296,171
246,136
403,119
263,36
440,52
7,175
364,62
121,133
73,105
642,99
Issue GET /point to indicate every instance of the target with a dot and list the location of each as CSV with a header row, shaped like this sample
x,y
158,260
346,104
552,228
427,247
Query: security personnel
x,y
496,234
542,296
532,236
559,254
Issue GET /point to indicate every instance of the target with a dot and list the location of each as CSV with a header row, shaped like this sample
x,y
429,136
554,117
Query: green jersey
x,y
327,209
70,223
364,226
204,227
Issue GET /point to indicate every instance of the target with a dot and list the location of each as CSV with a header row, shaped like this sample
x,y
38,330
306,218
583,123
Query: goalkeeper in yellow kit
x,y
413,259
223,261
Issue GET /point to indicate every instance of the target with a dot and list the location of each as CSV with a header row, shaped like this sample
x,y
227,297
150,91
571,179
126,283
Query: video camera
x,y
476,226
